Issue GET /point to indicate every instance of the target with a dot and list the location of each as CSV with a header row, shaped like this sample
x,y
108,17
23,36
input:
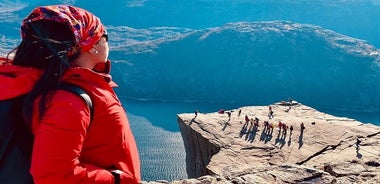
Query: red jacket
x,y
67,147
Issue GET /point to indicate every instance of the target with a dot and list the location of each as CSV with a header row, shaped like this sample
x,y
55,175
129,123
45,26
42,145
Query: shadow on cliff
x,y
290,139
226,124
193,121
281,138
250,133
358,155
243,130
300,140
266,134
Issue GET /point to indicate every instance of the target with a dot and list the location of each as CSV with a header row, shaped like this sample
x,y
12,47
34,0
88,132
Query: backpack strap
x,y
16,143
80,92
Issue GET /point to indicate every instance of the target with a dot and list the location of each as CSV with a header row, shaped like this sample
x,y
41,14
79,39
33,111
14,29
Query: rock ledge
x,y
228,149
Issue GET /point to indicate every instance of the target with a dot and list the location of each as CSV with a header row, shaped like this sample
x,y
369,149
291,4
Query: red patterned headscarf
x,y
85,26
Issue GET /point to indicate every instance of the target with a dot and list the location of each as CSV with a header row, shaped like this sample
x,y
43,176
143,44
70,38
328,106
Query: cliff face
x,y
223,149
199,151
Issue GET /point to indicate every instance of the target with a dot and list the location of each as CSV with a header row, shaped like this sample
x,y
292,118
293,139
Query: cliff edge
x,y
247,145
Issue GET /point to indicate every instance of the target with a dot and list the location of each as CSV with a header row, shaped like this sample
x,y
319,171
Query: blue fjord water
x,y
176,56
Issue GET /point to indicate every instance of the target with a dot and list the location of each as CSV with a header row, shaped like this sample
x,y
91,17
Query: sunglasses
x,y
105,35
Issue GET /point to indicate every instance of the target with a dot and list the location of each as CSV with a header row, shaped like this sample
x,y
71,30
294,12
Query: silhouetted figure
x,y
284,128
358,141
196,113
256,122
266,125
229,115
302,127
270,114
246,119
239,112
290,102
291,128
279,126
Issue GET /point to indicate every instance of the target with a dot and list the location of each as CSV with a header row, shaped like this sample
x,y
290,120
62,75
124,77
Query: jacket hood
x,y
17,80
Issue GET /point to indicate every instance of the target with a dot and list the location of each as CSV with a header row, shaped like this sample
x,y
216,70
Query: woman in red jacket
x,y
66,43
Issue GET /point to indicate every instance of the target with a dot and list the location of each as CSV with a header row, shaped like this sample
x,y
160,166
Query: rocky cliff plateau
x,y
225,147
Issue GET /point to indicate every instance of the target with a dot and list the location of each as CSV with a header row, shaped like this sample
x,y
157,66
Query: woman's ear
x,y
93,51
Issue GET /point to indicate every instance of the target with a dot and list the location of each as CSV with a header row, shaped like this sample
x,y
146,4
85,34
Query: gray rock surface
x,y
223,149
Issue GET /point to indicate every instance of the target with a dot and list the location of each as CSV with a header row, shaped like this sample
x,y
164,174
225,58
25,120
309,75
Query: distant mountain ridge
x,y
255,62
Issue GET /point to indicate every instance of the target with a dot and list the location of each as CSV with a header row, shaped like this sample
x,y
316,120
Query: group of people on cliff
x,y
268,126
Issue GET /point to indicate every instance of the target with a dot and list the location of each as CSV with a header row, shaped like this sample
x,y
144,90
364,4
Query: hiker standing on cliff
x,y
302,127
284,128
64,43
246,119
279,126
290,102
358,141
270,113
291,128
266,124
229,115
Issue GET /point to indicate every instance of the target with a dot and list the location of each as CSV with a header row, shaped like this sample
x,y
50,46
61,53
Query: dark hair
x,y
45,45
